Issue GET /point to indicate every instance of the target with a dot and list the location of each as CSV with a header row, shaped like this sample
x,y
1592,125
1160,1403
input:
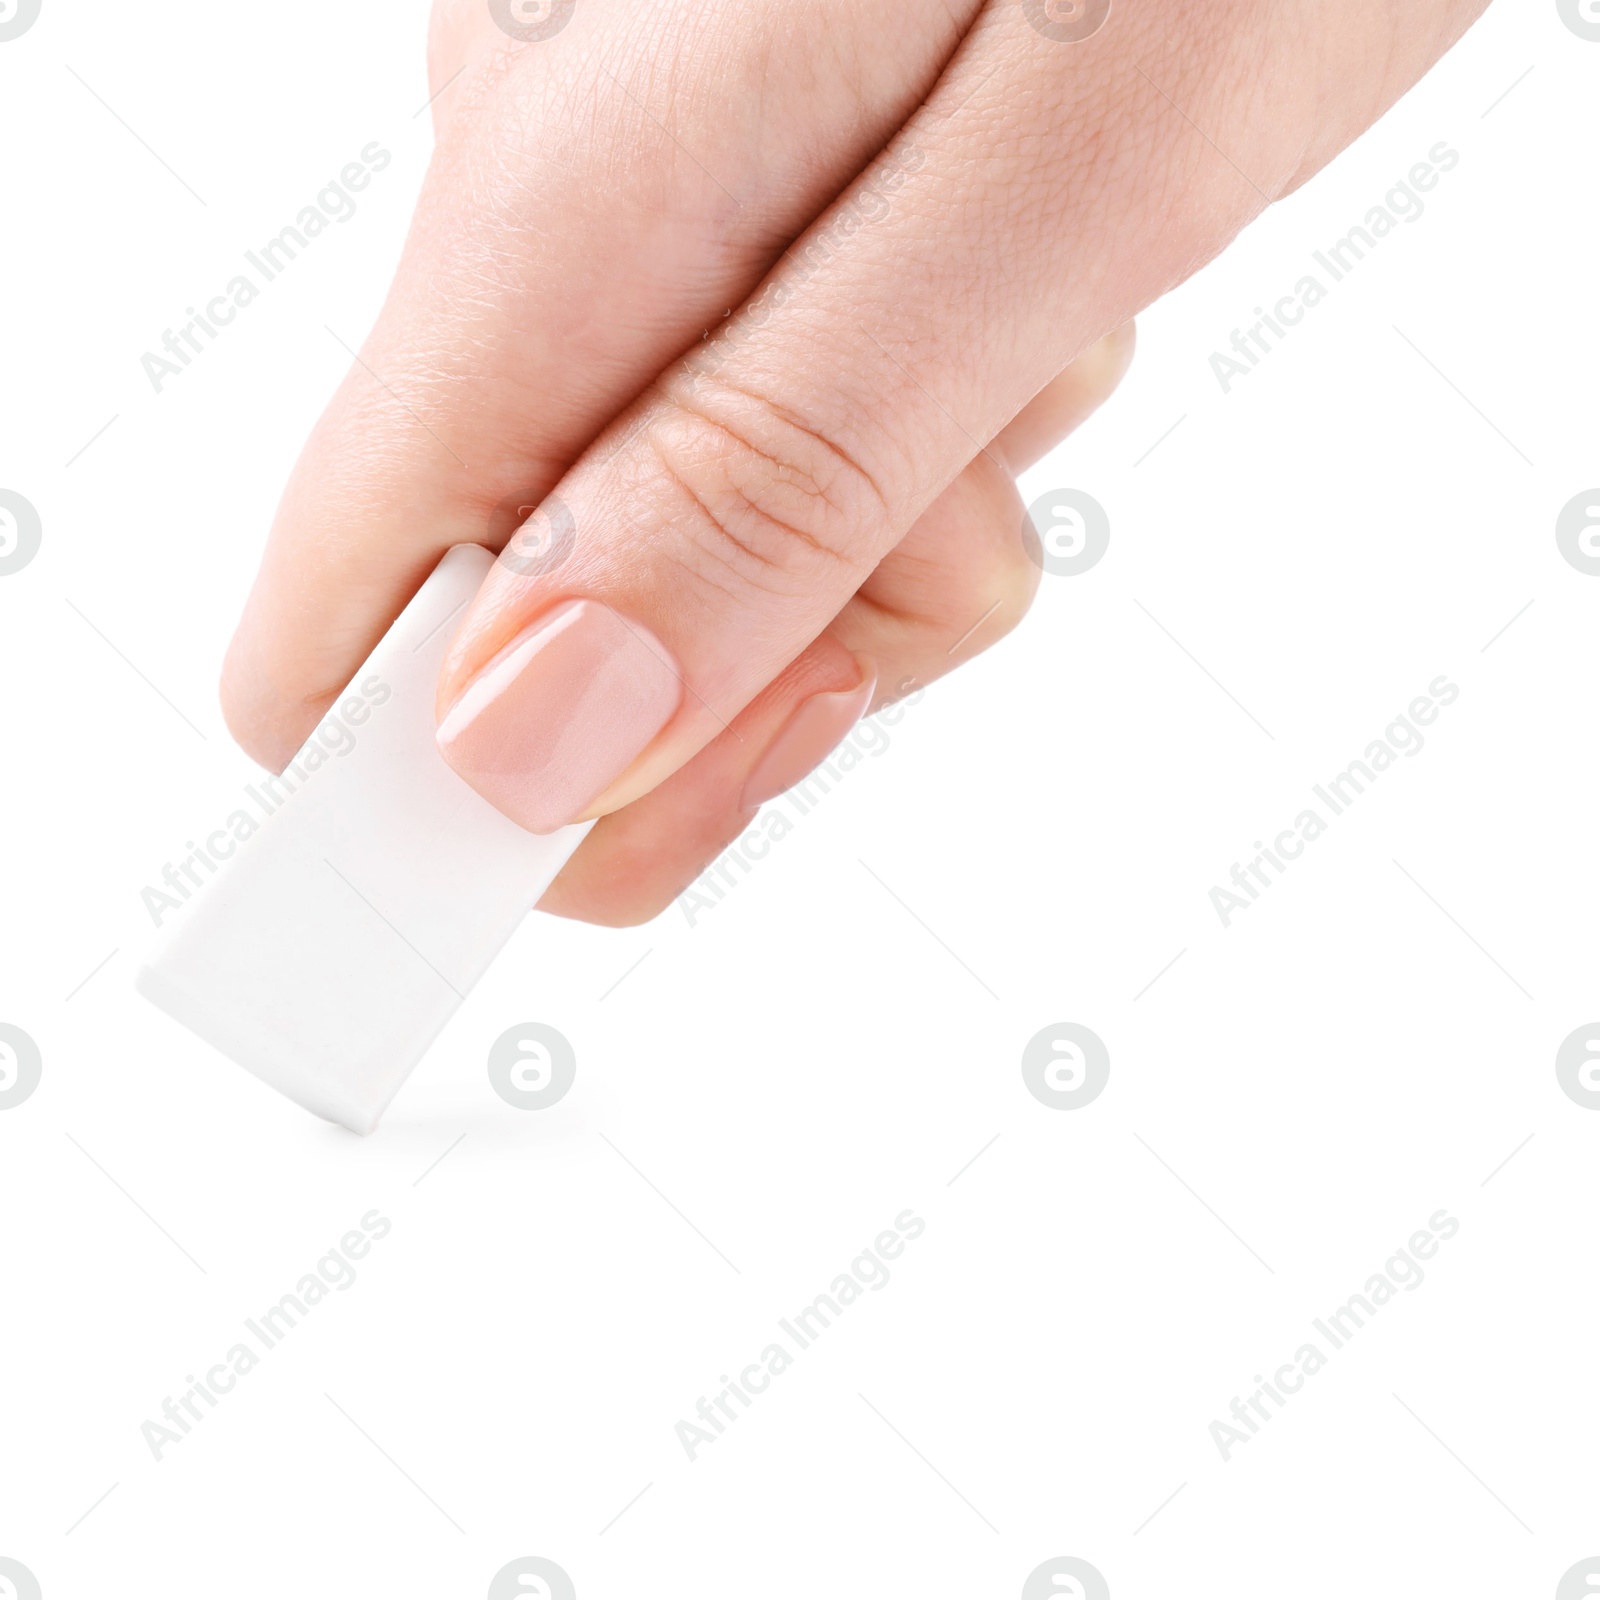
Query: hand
x,y
954,207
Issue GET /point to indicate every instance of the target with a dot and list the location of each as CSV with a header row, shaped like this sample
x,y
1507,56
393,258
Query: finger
x,y
964,575
1067,401
635,861
734,511
954,585
597,201
965,556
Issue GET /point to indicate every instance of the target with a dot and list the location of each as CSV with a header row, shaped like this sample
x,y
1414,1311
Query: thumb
x,y
696,550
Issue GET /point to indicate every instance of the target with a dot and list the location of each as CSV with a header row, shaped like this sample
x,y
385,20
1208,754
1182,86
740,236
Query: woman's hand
x,y
762,306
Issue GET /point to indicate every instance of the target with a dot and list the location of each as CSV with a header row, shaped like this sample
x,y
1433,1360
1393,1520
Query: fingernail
x,y
816,727
560,714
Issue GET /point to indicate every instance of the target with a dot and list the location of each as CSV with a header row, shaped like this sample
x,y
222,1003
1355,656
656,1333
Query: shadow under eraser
x,y
328,952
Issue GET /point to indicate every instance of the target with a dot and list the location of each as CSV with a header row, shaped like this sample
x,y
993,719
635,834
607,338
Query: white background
x,y
1289,1101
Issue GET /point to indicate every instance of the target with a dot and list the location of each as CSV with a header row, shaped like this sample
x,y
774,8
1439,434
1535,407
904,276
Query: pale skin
x,y
777,297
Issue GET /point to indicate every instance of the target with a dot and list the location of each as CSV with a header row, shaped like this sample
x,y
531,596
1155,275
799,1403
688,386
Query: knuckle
x,y
981,527
995,602
778,504
964,575
1012,576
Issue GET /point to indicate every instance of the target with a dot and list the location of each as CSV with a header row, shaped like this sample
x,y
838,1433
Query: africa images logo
x,y
17,16
1583,18
532,21
21,532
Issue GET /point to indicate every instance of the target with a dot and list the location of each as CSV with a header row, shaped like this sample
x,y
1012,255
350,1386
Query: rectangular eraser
x,y
329,951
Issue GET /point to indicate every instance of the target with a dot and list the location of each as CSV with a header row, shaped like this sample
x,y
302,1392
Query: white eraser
x,y
329,951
